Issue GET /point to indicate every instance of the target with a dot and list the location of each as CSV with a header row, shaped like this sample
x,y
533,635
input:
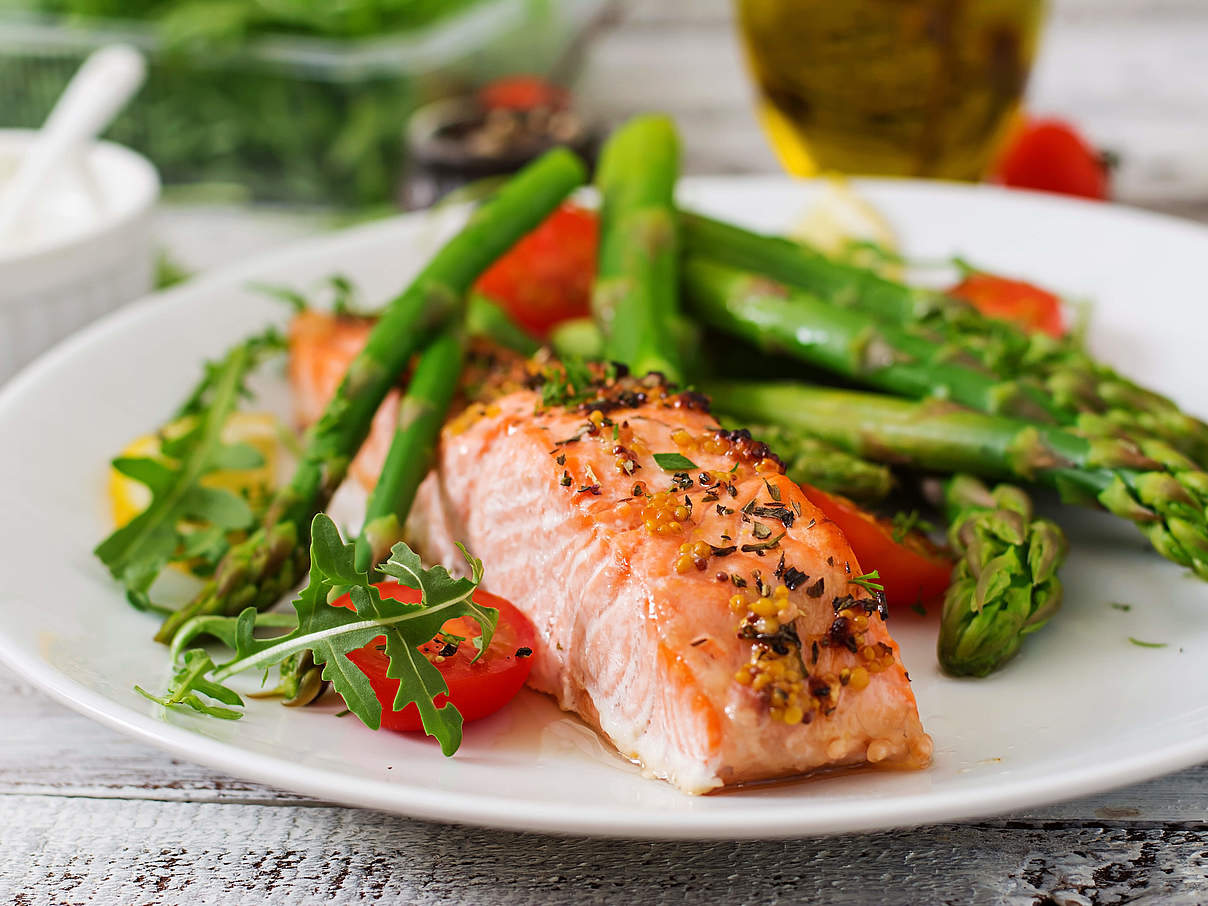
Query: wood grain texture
x,y
158,853
90,816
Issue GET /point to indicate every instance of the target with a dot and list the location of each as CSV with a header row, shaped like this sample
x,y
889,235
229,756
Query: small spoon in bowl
x,y
99,89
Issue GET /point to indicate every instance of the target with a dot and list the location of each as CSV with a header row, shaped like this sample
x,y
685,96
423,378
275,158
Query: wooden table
x,y
87,815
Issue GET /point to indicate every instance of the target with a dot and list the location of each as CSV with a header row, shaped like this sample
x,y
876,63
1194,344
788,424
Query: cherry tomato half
x,y
1027,305
1050,156
476,689
546,277
912,570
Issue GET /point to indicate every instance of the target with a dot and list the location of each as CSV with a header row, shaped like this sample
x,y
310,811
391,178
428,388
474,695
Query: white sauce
x,y
68,207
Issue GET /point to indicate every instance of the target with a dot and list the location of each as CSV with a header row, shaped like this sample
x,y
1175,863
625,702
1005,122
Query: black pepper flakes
x,y
817,589
794,578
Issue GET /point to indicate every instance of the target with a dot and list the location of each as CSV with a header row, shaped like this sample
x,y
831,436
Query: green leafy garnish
x,y
869,582
168,271
1116,605
1141,644
329,633
673,462
905,523
336,292
251,353
186,520
568,383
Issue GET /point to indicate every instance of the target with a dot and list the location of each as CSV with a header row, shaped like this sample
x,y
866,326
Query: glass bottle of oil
x,y
893,87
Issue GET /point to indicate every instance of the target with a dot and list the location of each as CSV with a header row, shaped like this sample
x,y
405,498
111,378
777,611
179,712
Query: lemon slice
x,y
128,498
839,218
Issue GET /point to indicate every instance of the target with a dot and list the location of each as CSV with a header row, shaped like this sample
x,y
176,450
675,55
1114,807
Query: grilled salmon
x,y
690,602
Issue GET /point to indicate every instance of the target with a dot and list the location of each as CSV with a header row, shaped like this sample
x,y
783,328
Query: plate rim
x,y
793,819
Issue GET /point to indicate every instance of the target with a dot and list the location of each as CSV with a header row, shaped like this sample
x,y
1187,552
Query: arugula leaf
x,y
329,633
256,348
188,680
345,297
185,519
673,462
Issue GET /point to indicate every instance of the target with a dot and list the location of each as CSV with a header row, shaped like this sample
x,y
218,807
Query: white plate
x,y
1080,710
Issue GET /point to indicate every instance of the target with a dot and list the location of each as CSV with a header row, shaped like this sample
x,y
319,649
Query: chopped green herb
x,y
1116,605
674,462
1141,644
566,385
764,546
869,582
905,523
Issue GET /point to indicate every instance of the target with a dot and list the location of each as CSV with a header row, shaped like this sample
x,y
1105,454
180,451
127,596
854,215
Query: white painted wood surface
x,y
89,816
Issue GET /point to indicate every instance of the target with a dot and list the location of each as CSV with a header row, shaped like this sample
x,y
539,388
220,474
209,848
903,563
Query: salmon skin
x,y
690,602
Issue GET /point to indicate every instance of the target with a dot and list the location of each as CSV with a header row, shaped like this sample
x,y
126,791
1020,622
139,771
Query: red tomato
x,y
546,277
1050,156
476,689
912,570
1012,300
522,92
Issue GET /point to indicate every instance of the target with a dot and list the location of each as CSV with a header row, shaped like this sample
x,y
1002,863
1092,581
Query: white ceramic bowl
x,y
85,251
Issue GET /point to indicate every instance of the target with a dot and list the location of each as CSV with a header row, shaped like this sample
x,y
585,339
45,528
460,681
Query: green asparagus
x,y
260,570
485,318
808,460
1004,585
1162,493
578,338
847,342
1102,402
635,296
420,415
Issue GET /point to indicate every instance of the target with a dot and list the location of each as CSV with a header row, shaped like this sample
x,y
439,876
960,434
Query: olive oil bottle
x,y
894,87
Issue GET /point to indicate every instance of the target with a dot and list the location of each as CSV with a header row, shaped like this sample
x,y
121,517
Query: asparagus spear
x,y
485,318
1004,585
1104,402
261,569
808,460
420,416
847,342
579,338
1161,492
635,297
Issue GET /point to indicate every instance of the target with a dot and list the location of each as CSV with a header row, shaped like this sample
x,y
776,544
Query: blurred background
x,y
270,119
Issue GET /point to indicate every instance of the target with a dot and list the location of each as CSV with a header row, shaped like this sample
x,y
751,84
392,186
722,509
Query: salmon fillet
x,y
703,617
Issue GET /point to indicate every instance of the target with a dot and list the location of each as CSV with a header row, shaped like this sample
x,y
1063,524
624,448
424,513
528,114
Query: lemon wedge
x,y
838,218
260,430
